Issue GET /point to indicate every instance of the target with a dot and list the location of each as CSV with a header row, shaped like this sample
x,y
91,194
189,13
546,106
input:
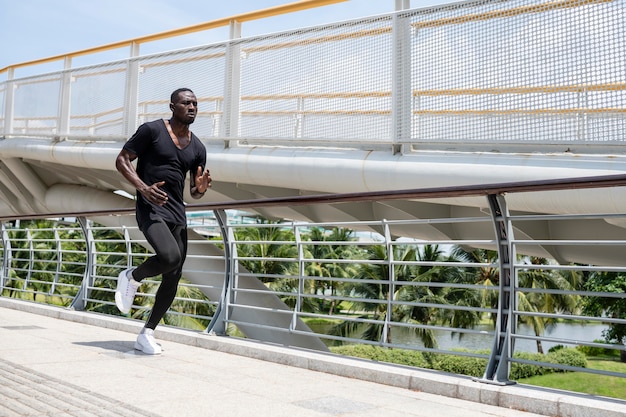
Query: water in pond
x,y
475,341
484,340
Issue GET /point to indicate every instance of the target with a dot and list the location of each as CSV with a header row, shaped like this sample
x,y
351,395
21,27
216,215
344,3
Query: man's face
x,y
185,108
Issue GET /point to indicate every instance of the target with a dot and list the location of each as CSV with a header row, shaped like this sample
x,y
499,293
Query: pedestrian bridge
x,y
449,96
398,124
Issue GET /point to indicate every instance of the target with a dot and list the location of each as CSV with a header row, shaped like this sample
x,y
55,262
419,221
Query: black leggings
x,y
169,242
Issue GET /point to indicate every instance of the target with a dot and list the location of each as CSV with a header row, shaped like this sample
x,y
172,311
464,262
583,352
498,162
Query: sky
x,y
35,29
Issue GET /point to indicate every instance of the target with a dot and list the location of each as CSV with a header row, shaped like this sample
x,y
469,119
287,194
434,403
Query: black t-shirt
x,y
160,160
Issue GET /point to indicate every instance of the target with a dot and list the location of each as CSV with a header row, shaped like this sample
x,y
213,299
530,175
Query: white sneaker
x,y
146,343
125,292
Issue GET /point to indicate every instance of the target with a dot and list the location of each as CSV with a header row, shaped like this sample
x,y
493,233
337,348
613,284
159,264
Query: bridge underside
x,y
42,177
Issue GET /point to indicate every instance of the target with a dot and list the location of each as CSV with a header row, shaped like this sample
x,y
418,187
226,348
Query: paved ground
x,y
57,362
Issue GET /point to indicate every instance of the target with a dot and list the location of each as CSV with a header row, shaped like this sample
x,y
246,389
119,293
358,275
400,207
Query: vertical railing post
x,y
402,4
218,322
64,119
299,119
9,100
391,283
59,257
128,242
230,120
131,100
80,300
31,258
6,257
301,273
499,365
401,91
582,116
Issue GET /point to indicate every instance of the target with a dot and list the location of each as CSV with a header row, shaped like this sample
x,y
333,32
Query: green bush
x,y
567,356
597,351
466,365
561,356
525,370
463,365
375,353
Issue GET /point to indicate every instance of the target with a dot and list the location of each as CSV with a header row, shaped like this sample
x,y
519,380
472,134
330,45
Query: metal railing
x,y
416,76
433,75
355,282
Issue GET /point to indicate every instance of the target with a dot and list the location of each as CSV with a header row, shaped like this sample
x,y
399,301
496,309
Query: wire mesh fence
x,y
486,71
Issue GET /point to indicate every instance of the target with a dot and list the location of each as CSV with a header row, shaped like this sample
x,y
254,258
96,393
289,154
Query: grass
x,y
583,382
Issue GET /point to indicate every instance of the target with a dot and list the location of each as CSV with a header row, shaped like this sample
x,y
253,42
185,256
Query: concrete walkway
x,y
58,362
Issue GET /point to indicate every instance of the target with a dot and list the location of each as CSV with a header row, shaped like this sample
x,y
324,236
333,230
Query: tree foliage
x,y
614,307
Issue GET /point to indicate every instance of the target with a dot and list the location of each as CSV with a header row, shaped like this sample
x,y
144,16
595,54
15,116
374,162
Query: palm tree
x,y
34,261
378,288
272,256
545,302
456,296
371,294
531,278
439,294
487,275
322,264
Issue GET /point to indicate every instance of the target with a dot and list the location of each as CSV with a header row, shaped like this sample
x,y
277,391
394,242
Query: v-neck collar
x,y
174,137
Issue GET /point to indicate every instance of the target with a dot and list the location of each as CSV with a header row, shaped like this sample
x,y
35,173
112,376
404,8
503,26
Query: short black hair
x,y
176,92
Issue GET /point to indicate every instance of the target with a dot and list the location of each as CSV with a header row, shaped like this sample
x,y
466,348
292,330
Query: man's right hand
x,y
155,194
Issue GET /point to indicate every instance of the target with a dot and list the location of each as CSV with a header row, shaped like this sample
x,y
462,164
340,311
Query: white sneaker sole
x,y
146,351
122,281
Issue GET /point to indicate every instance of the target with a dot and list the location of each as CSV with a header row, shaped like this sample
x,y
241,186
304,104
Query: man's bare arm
x,y
152,193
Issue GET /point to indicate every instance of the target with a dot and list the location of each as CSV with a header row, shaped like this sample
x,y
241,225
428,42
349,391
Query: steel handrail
x,y
474,190
213,24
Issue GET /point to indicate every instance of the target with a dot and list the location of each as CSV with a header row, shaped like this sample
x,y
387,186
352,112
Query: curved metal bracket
x,y
80,300
499,365
6,258
218,322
